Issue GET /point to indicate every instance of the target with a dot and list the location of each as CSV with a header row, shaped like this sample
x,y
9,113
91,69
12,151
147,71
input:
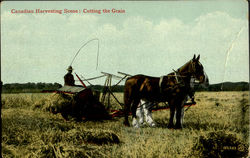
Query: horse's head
x,y
197,71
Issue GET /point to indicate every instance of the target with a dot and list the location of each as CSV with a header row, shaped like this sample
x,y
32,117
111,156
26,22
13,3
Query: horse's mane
x,y
185,65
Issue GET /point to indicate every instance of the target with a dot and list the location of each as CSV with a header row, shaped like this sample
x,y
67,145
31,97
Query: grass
x,y
29,130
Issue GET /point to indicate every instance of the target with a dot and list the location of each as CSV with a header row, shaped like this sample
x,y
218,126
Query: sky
x,y
151,38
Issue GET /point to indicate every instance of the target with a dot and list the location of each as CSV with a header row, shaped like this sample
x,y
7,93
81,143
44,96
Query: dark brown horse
x,y
173,88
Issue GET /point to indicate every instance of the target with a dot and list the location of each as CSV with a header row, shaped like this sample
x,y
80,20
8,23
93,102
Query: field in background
x,y
220,119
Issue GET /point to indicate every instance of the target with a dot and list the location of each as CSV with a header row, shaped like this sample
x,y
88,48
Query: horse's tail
x,y
127,101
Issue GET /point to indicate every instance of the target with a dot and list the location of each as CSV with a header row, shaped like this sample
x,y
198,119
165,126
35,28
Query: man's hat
x,y
70,68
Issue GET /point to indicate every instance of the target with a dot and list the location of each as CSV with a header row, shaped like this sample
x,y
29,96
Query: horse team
x,y
141,92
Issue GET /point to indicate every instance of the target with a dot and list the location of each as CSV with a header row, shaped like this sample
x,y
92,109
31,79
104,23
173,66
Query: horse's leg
x,y
133,110
179,115
172,112
148,114
140,112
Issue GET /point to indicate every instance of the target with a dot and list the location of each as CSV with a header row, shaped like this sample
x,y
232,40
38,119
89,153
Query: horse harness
x,y
178,78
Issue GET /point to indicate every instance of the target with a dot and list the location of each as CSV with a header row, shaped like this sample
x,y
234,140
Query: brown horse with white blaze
x,y
172,88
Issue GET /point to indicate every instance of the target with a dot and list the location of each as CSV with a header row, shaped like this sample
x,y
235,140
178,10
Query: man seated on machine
x,y
69,78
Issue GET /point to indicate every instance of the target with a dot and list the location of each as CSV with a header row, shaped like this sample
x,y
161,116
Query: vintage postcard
x,y
125,78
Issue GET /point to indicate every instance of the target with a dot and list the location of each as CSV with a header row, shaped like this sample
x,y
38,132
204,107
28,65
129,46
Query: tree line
x,y
29,87
226,86
47,87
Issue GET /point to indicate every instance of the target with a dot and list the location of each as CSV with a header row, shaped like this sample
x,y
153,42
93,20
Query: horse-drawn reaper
x,y
172,88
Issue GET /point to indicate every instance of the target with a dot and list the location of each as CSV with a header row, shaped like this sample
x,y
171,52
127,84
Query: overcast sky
x,y
150,38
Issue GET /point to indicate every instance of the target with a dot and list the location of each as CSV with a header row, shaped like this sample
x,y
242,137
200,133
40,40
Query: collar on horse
x,y
160,83
176,77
